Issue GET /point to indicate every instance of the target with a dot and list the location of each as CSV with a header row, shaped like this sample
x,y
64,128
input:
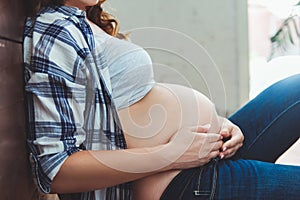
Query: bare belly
x,y
156,118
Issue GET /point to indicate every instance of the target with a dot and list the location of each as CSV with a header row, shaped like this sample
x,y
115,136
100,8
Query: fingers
x,y
225,132
233,139
214,154
217,146
205,158
236,139
230,151
213,137
201,129
231,146
210,150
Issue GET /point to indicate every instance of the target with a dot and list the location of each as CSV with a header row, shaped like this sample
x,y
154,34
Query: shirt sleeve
x,y
55,93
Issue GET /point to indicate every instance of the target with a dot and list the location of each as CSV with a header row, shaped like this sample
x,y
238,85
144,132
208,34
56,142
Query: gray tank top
x,y
130,69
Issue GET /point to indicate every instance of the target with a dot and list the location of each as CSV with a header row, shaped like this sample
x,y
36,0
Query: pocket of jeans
x,y
207,181
188,180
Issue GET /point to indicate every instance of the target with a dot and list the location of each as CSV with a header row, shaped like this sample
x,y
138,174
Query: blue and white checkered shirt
x,y
68,96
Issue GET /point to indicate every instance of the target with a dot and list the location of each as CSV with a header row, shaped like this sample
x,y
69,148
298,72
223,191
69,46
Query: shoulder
x,y
56,43
55,27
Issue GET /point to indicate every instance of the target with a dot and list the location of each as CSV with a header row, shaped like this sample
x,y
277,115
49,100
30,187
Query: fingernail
x,y
207,126
222,156
224,149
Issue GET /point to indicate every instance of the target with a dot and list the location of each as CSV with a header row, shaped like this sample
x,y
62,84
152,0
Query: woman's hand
x,y
233,138
193,147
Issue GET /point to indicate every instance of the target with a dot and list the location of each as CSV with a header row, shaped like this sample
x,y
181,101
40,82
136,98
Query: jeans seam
x,y
269,125
214,183
199,182
185,187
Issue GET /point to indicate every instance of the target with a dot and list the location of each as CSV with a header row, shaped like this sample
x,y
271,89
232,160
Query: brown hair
x,y
94,13
104,20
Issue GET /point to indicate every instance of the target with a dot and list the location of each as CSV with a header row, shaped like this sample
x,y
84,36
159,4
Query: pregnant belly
x,y
156,118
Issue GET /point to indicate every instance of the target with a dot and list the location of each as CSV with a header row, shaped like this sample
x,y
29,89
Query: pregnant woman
x,y
166,138
151,113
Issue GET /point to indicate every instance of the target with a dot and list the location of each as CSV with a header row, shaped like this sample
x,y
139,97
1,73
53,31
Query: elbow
x,y
57,186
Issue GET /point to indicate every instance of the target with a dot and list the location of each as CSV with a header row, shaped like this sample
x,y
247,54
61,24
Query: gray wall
x,y
202,44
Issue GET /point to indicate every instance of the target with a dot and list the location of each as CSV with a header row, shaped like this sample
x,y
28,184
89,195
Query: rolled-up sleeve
x,y
55,94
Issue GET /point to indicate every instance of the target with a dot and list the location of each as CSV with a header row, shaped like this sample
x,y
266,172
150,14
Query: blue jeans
x,y
271,124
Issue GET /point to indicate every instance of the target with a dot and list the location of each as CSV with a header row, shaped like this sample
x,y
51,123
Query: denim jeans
x,y
271,124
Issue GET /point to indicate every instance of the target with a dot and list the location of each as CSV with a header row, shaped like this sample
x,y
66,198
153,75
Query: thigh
x,y
248,179
239,180
271,121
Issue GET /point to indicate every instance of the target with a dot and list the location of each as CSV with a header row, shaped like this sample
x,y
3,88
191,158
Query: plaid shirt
x,y
68,96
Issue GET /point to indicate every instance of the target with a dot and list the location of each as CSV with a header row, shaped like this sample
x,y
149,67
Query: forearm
x,y
90,170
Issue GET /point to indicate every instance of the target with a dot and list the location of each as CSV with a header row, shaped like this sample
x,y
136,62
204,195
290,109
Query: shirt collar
x,y
68,11
77,16
71,11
